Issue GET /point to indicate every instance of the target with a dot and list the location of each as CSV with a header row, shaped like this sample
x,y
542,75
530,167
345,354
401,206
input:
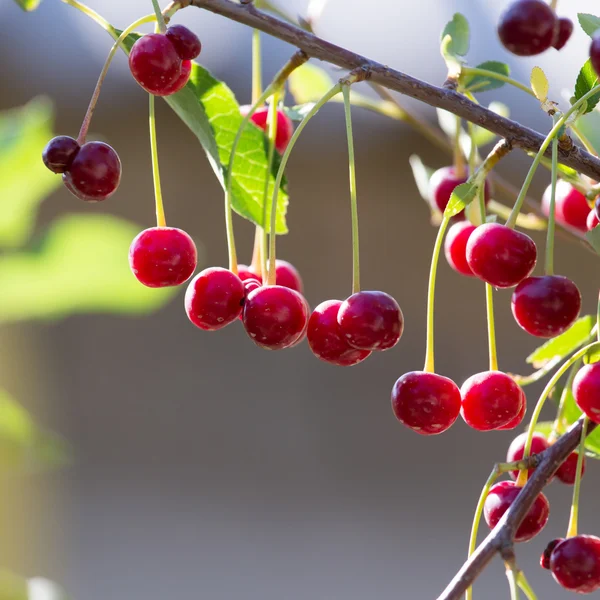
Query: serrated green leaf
x,y
24,180
484,83
586,81
563,345
309,83
593,237
458,31
589,23
592,355
539,84
461,196
28,5
79,267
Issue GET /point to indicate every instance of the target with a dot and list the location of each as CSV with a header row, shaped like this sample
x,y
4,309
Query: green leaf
x,y
589,23
209,108
297,113
564,344
539,84
593,237
484,83
80,267
592,355
461,196
422,175
24,180
12,587
309,83
586,81
28,5
458,31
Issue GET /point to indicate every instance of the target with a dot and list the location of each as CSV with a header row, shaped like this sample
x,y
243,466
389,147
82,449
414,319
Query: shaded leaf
x,y
458,31
586,81
589,23
298,112
592,355
593,237
483,83
461,196
539,84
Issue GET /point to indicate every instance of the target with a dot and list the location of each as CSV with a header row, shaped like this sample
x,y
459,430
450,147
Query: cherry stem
x,y
466,71
353,198
429,351
553,5
162,26
94,100
549,266
522,479
160,209
459,161
574,516
256,66
562,405
272,123
525,587
512,582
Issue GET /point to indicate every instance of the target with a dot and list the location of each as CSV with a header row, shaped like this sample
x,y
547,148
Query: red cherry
x,y
499,500
186,42
154,63
571,206
371,321
595,52
490,400
516,449
245,272
214,298
326,340
519,418
285,127
568,470
288,276
545,558
586,390
527,27
442,184
499,255
592,220
546,306
575,564
59,153
249,286
565,29
455,246
427,403
162,257
95,172
275,317
181,81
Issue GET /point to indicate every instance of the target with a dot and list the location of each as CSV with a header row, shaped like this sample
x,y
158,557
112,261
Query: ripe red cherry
x,y
442,184
275,317
95,172
517,448
586,389
180,82
499,255
250,284
527,27
499,500
371,321
285,127
565,29
154,63
568,470
546,306
571,206
59,153
455,246
214,298
519,418
490,400
575,564
326,340
288,276
245,272
186,42
545,557
595,52
592,220
427,403
162,257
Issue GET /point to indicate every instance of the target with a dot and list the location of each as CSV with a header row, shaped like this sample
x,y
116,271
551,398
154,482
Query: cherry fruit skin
x,y
162,257
499,255
245,272
371,321
575,564
571,206
499,500
326,340
586,390
568,470
288,276
186,42
425,402
546,306
285,127
60,152
455,246
275,317
565,29
518,419
595,52
442,184
214,298
181,81
95,172
527,27
592,220
490,400
545,557
516,449
154,63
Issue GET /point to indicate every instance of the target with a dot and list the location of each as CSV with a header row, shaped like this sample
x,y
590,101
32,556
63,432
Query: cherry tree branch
x,y
447,99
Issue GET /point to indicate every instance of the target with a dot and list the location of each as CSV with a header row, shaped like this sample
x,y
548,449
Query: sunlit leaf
x,y
309,83
587,80
539,84
461,196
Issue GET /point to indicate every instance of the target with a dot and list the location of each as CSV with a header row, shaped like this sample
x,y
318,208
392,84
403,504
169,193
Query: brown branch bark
x,y
315,47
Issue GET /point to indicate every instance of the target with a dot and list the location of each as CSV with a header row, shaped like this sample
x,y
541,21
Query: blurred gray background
x,y
206,467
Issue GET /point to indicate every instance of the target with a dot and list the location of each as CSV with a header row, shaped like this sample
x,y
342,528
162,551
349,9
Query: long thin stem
x,y
485,73
512,583
583,139
459,161
256,66
353,198
272,120
574,517
525,587
162,26
489,303
549,266
562,405
160,210
86,10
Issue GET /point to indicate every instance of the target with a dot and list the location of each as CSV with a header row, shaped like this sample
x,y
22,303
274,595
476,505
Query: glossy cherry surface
x,y
181,81
499,255
442,184
595,52
568,470
571,206
288,276
586,390
519,418
516,449
455,246
214,298
565,29
59,153
499,500
95,172
545,557
285,127
546,306
154,63
575,564
245,272
425,402
326,340
162,257
186,42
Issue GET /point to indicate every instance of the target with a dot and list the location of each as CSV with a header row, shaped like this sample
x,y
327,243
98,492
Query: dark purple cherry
x,y
545,557
527,27
595,52
186,42
59,153
586,390
516,450
565,29
546,306
575,564
455,246
181,81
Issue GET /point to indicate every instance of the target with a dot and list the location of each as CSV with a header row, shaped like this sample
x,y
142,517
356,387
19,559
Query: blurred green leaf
x,y
309,83
80,267
593,237
587,80
458,31
24,180
539,83
28,5
484,83
482,136
12,587
589,23
298,112
592,355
